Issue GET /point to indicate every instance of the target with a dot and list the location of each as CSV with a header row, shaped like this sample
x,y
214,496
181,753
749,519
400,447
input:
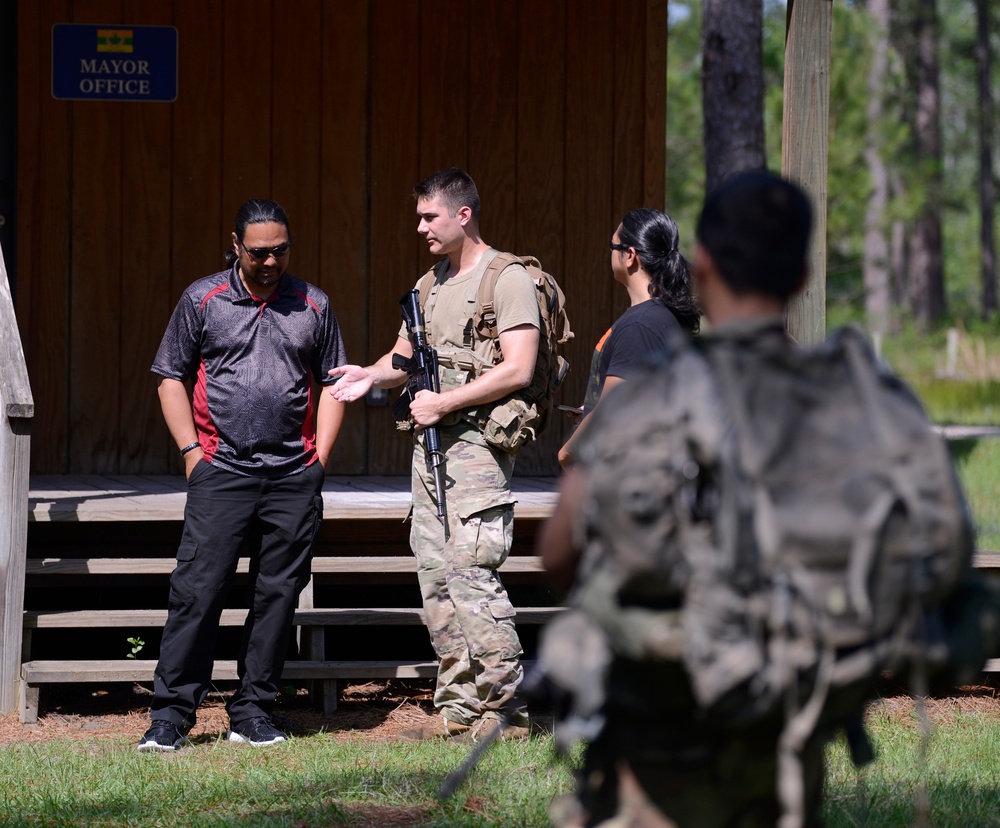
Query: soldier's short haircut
x,y
455,187
756,227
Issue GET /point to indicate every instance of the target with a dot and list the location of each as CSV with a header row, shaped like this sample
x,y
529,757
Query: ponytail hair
x,y
654,237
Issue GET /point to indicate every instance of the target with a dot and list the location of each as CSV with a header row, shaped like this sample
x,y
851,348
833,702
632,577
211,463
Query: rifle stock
x,y
421,374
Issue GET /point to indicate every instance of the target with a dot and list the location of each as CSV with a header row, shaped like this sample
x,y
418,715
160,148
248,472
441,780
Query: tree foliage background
x,y
849,183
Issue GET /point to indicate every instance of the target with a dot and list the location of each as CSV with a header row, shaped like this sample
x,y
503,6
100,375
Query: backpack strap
x,y
427,287
426,284
486,316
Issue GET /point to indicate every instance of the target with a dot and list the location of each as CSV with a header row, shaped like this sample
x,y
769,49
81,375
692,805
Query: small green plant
x,y
137,645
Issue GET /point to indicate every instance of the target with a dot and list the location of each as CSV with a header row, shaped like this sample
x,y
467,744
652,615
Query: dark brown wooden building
x,y
335,108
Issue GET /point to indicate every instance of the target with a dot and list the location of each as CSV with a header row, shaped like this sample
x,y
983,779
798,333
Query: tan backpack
x,y
513,422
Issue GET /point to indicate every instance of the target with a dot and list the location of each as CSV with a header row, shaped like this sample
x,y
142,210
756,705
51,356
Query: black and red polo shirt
x,y
250,361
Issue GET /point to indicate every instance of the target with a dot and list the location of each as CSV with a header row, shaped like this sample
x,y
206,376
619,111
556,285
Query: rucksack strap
x,y
428,286
484,317
486,320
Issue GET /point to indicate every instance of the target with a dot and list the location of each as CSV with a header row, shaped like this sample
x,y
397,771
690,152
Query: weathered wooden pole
x,y
808,36
16,410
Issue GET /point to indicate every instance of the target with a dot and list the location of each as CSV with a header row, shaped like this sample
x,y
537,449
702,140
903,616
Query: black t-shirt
x,y
643,331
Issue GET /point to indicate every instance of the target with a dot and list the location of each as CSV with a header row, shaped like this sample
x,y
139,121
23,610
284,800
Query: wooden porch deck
x,y
99,497
55,502
120,499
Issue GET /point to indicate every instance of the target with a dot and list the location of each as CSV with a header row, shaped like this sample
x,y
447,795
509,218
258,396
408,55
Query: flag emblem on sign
x,y
114,40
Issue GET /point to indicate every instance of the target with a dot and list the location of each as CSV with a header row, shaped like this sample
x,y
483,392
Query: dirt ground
x,y
374,711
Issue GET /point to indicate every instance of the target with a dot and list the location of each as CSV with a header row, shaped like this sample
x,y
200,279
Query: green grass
x,y
972,396
971,399
952,402
319,781
959,775
978,463
309,781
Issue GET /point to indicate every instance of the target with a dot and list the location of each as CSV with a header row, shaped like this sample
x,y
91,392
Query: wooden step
x,y
34,674
65,671
379,565
126,669
375,616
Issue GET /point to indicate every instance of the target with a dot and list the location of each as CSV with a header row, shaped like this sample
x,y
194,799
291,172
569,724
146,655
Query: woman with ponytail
x,y
646,261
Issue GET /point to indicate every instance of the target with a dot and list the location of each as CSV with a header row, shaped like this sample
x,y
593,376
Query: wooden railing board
x,y
16,414
986,560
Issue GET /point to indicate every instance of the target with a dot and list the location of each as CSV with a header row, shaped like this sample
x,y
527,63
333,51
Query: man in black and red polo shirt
x,y
255,443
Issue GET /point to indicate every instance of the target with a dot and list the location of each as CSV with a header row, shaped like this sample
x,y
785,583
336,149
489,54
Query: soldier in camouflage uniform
x,y
469,615
652,760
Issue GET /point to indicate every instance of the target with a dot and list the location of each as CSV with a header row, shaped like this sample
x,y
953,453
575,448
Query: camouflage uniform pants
x,y
468,614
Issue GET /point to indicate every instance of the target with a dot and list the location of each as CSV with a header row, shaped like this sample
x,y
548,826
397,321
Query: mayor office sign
x,y
114,63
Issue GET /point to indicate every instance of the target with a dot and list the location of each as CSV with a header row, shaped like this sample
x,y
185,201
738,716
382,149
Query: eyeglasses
x,y
620,247
261,253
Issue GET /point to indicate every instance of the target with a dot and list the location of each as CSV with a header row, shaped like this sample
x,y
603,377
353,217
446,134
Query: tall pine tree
x,y
987,183
927,253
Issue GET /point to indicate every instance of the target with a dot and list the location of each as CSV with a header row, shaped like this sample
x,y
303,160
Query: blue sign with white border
x,y
114,62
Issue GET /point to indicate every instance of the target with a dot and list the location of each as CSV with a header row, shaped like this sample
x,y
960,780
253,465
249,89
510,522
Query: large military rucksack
x,y
787,526
845,526
513,422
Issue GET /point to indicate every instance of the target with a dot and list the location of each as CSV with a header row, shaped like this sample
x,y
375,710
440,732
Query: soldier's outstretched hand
x,y
353,384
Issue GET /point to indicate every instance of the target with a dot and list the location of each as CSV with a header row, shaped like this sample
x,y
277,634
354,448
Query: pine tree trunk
x,y
876,244
732,88
927,256
987,188
903,43
899,246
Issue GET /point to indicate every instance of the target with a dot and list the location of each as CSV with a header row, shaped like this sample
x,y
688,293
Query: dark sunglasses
x,y
620,247
261,253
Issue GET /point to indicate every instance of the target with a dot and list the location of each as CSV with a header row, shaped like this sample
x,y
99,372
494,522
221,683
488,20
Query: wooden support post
x,y
808,37
28,698
15,434
312,646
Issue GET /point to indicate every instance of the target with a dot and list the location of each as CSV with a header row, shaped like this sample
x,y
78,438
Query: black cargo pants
x,y
276,520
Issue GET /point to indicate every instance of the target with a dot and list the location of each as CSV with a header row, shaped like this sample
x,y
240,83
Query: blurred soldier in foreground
x,y
752,533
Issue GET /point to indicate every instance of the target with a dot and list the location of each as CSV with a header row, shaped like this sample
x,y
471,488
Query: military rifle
x,y
568,679
422,374
535,689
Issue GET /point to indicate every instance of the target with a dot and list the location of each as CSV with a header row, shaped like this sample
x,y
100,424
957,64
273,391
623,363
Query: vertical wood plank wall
x,y
335,109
